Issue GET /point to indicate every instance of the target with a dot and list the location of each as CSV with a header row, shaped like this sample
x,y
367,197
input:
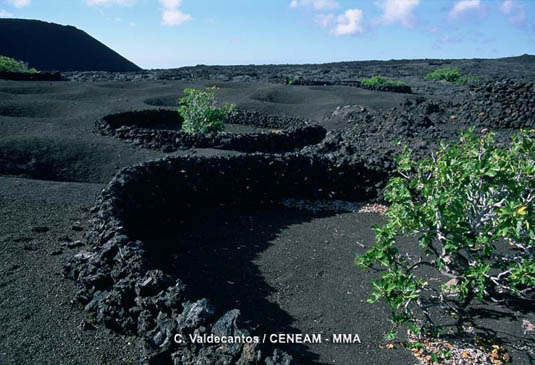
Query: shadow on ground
x,y
214,254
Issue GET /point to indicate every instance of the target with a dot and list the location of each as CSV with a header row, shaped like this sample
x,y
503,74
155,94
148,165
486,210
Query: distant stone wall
x,y
28,76
403,89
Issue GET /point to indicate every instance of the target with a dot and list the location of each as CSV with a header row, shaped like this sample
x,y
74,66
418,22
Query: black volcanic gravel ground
x,y
47,133
289,271
40,325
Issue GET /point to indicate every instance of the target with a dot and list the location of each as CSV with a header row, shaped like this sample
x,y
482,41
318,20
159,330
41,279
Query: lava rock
x,y
153,282
195,314
280,358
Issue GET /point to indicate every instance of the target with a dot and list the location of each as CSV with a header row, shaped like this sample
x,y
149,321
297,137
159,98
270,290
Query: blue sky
x,y
173,33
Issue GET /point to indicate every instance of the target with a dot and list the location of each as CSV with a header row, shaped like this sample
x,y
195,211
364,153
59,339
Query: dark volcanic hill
x,y
54,47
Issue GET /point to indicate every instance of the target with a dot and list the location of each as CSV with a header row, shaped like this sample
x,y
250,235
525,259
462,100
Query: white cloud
x,y
5,14
398,11
20,3
172,15
507,7
515,13
132,24
171,4
110,2
464,6
349,23
316,4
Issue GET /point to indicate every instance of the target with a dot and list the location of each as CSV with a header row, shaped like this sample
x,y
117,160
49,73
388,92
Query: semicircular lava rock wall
x,y
159,129
120,283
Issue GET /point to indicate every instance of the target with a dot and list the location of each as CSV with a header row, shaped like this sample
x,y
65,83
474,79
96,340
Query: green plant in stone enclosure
x,y
451,74
201,113
293,80
381,81
445,73
470,206
8,64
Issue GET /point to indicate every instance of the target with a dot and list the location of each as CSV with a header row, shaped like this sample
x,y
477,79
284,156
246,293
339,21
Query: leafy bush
x,y
293,80
471,208
451,74
445,73
200,111
10,65
380,81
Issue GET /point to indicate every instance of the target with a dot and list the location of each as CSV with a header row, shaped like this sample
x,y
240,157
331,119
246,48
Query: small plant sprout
x,y
380,81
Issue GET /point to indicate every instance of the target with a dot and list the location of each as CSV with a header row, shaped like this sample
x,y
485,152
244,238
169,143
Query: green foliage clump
x,y
8,64
381,81
201,113
471,208
451,74
293,80
445,73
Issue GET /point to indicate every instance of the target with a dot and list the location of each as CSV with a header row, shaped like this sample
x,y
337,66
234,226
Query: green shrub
x,y
380,81
445,73
292,80
10,65
471,208
451,74
200,112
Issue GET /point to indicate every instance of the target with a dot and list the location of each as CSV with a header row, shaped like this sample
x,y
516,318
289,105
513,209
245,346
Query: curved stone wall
x,y
159,129
120,283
